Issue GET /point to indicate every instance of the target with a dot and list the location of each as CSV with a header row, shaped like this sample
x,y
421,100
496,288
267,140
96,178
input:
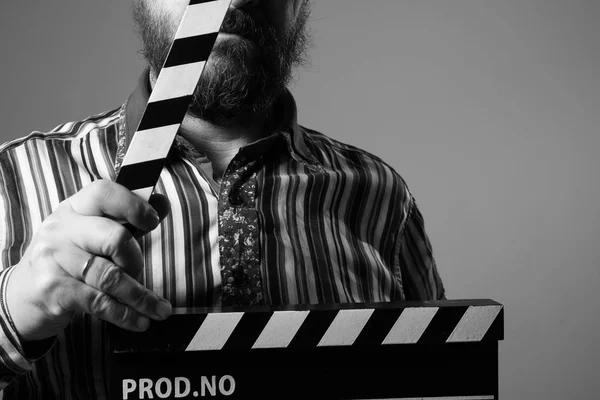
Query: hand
x,y
86,230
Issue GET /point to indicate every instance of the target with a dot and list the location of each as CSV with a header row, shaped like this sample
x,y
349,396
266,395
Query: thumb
x,y
161,205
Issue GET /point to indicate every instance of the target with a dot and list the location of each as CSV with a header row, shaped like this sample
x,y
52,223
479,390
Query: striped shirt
x,y
334,224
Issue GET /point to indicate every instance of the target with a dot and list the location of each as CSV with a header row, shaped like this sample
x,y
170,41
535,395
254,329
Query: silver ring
x,y
87,266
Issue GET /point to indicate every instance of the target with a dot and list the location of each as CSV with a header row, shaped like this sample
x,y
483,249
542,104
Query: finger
x,y
107,198
108,278
78,296
161,205
106,238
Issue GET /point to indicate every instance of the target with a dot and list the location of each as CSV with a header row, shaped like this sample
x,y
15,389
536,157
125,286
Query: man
x,y
251,208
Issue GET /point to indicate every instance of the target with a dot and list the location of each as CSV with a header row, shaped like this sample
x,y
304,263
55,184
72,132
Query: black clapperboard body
x,y
445,350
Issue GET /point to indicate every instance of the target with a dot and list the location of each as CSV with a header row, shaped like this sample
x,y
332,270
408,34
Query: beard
x,y
244,75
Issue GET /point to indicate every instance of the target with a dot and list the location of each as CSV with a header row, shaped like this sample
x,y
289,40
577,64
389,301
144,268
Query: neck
x,y
220,143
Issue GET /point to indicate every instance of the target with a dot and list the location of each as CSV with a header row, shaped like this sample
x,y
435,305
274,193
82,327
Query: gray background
x,y
488,108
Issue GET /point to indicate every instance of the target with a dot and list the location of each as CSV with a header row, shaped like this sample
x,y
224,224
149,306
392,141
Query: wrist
x,y
14,360
30,349
24,318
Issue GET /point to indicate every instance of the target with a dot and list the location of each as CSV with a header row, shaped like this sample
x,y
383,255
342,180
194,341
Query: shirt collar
x,y
298,143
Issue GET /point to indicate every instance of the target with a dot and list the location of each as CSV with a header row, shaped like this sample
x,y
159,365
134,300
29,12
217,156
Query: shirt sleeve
x,y
16,355
13,361
415,261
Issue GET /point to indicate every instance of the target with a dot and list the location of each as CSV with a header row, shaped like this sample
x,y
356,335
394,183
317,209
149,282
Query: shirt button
x,y
235,198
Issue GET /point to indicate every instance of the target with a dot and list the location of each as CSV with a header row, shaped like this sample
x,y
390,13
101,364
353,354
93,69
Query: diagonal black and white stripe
x,y
348,327
172,95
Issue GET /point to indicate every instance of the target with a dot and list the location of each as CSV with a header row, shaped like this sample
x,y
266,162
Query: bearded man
x,y
251,208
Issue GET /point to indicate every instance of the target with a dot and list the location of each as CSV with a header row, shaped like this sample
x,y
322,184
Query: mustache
x,y
249,27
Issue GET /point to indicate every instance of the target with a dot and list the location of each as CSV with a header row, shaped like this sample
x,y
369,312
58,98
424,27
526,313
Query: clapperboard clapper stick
x,y
171,95
435,350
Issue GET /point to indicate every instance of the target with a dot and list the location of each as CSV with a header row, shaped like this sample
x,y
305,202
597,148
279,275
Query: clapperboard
x,y
444,350
171,95
412,351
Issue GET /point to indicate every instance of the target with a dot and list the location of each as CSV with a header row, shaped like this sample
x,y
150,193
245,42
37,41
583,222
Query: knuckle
x,y
140,299
89,196
102,304
42,252
97,192
108,309
102,191
56,308
116,238
52,227
123,317
102,188
46,282
49,290
110,279
64,206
